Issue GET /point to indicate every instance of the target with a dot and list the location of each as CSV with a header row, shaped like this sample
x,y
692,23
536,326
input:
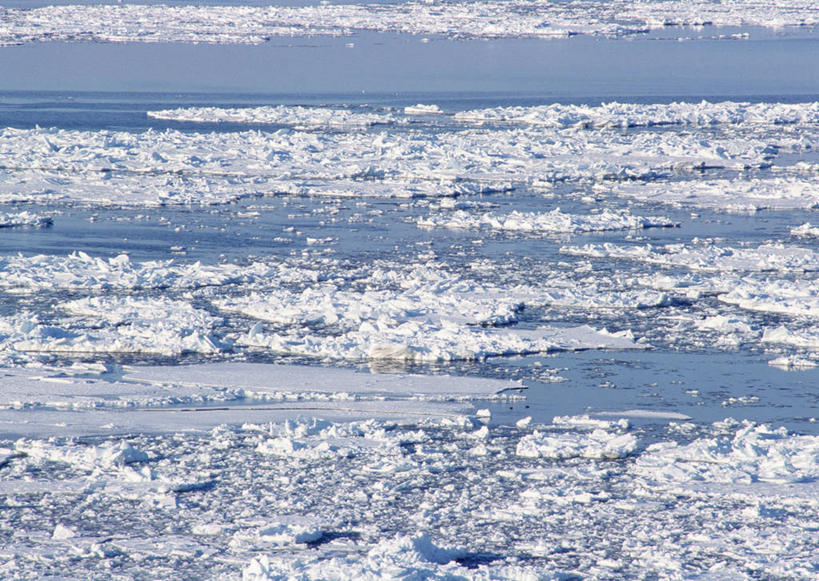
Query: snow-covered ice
x,y
548,356
481,19
156,168
298,117
544,222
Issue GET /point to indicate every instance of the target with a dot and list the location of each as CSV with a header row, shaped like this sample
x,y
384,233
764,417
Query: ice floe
x,y
708,256
80,270
153,168
799,298
753,454
430,319
24,218
125,325
624,115
298,117
80,400
806,230
585,438
483,19
544,222
732,195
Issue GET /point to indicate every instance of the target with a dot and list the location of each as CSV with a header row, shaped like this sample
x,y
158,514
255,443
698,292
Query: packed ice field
x,y
442,337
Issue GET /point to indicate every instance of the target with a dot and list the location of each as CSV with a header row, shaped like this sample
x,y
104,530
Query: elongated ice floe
x,y
153,168
708,256
597,444
83,399
732,195
544,222
483,19
298,117
624,115
429,341
80,270
99,387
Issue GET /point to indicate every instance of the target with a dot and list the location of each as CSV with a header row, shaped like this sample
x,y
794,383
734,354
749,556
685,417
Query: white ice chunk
x,y
421,109
24,218
753,454
596,444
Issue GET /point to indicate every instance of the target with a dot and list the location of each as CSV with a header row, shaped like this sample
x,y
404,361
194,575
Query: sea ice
x,y
544,222
708,256
599,443
299,117
24,218
152,168
481,19
755,453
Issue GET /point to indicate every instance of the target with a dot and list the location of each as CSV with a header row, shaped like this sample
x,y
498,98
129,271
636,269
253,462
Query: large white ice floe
x,y
544,222
116,325
298,117
580,437
152,168
89,400
79,270
483,19
799,298
429,319
755,453
623,115
731,195
429,341
708,256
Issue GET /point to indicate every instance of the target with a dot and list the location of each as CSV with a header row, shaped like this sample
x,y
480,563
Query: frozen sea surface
x,y
463,332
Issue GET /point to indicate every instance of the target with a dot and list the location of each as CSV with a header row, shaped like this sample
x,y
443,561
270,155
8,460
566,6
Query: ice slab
x,y
753,454
624,115
87,400
798,297
256,379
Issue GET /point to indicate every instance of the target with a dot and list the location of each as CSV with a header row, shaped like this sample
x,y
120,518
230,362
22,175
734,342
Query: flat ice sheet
x,y
261,379
84,400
